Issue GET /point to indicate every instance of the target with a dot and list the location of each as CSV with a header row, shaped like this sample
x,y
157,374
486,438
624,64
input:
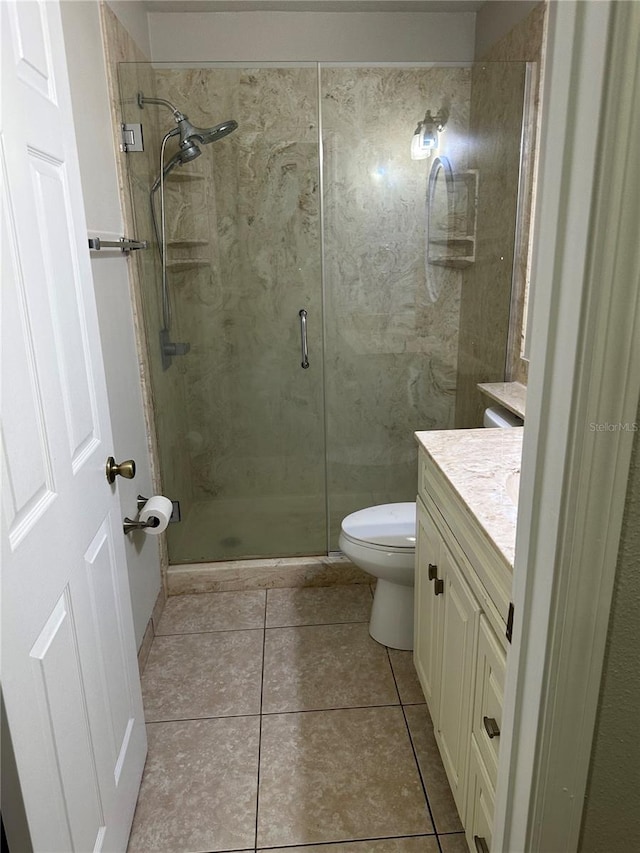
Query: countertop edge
x,y
511,395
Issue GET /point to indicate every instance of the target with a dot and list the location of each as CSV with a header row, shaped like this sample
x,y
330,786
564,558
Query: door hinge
x,y
509,631
131,139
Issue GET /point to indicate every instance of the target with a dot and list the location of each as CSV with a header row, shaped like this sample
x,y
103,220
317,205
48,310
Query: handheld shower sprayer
x,y
188,149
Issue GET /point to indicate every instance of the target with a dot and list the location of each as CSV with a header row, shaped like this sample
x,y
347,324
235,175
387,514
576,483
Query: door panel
x,y
53,234
60,696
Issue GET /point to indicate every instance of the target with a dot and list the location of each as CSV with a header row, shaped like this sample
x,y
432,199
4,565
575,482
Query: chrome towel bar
x,y
125,245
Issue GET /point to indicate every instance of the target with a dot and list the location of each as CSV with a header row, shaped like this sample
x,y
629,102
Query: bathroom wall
x,y
611,818
526,41
95,134
495,21
320,36
133,18
495,135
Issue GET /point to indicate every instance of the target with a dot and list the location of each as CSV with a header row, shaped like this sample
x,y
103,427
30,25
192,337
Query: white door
x,y
69,674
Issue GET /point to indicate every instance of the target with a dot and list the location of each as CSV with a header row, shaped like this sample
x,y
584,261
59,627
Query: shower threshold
x,y
324,570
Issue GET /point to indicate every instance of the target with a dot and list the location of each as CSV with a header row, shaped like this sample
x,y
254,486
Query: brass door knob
x,y
123,469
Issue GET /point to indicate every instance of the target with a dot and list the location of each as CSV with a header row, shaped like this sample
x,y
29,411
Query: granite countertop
x,y
477,463
511,395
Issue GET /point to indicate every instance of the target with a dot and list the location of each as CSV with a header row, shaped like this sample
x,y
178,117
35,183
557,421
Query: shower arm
x,y
143,99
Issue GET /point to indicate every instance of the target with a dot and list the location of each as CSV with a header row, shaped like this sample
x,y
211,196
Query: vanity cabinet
x,y
448,616
460,649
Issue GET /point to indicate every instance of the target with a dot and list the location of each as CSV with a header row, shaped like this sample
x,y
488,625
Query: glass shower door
x,y
240,422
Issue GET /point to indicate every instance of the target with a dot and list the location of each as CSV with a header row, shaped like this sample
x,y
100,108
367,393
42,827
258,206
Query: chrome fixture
x,y
124,244
188,149
129,524
425,136
303,339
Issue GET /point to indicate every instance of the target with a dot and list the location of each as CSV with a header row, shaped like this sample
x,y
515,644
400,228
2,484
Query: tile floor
x,y
275,722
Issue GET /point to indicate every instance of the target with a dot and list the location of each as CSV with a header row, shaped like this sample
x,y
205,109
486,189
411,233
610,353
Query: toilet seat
x,y
388,527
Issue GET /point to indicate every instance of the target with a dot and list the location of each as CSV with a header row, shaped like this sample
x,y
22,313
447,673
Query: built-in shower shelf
x,y
181,176
452,206
459,252
181,264
186,244
452,263
455,242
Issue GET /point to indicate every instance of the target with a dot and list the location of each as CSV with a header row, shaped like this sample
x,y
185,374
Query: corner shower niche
x,y
452,203
302,209
188,236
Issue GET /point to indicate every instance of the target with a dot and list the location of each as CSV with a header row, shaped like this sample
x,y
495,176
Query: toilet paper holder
x,y
129,524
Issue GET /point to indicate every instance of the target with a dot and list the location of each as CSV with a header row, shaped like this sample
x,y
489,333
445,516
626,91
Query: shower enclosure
x,y
312,205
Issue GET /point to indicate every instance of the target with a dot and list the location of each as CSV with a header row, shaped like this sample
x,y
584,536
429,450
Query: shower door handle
x,y
303,338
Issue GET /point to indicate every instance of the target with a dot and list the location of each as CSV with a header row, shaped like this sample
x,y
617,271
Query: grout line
x,y
318,624
322,710
345,841
259,628
199,719
415,755
211,631
272,713
264,639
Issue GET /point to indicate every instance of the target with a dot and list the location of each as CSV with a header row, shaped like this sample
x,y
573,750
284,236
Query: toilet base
x,y
391,620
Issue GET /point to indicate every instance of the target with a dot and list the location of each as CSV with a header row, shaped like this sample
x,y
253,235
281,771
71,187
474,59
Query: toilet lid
x,y
389,524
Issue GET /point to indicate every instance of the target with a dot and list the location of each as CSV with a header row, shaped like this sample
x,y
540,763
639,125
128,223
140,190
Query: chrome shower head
x,y
187,131
205,135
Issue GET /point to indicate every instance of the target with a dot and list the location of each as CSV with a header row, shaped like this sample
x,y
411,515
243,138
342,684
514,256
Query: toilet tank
x,y
496,416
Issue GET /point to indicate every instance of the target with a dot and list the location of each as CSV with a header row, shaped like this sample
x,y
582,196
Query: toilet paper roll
x,y
157,507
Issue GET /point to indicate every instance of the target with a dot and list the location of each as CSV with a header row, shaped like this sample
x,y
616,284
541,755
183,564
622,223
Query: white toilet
x,y
382,541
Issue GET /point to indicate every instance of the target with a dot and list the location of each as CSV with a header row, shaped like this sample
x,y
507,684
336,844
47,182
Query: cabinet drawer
x,y
480,804
487,704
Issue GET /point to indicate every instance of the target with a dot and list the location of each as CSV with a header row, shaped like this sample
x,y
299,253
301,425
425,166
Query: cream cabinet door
x,y
459,637
426,646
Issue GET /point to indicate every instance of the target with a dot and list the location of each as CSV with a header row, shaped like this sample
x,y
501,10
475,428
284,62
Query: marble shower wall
x,y
391,333
245,254
487,309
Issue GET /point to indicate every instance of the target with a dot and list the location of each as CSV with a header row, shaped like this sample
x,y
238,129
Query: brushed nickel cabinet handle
x,y
481,844
433,571
491,726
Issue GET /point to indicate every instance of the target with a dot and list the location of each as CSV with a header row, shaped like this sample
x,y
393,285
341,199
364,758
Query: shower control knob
x,y
123,469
